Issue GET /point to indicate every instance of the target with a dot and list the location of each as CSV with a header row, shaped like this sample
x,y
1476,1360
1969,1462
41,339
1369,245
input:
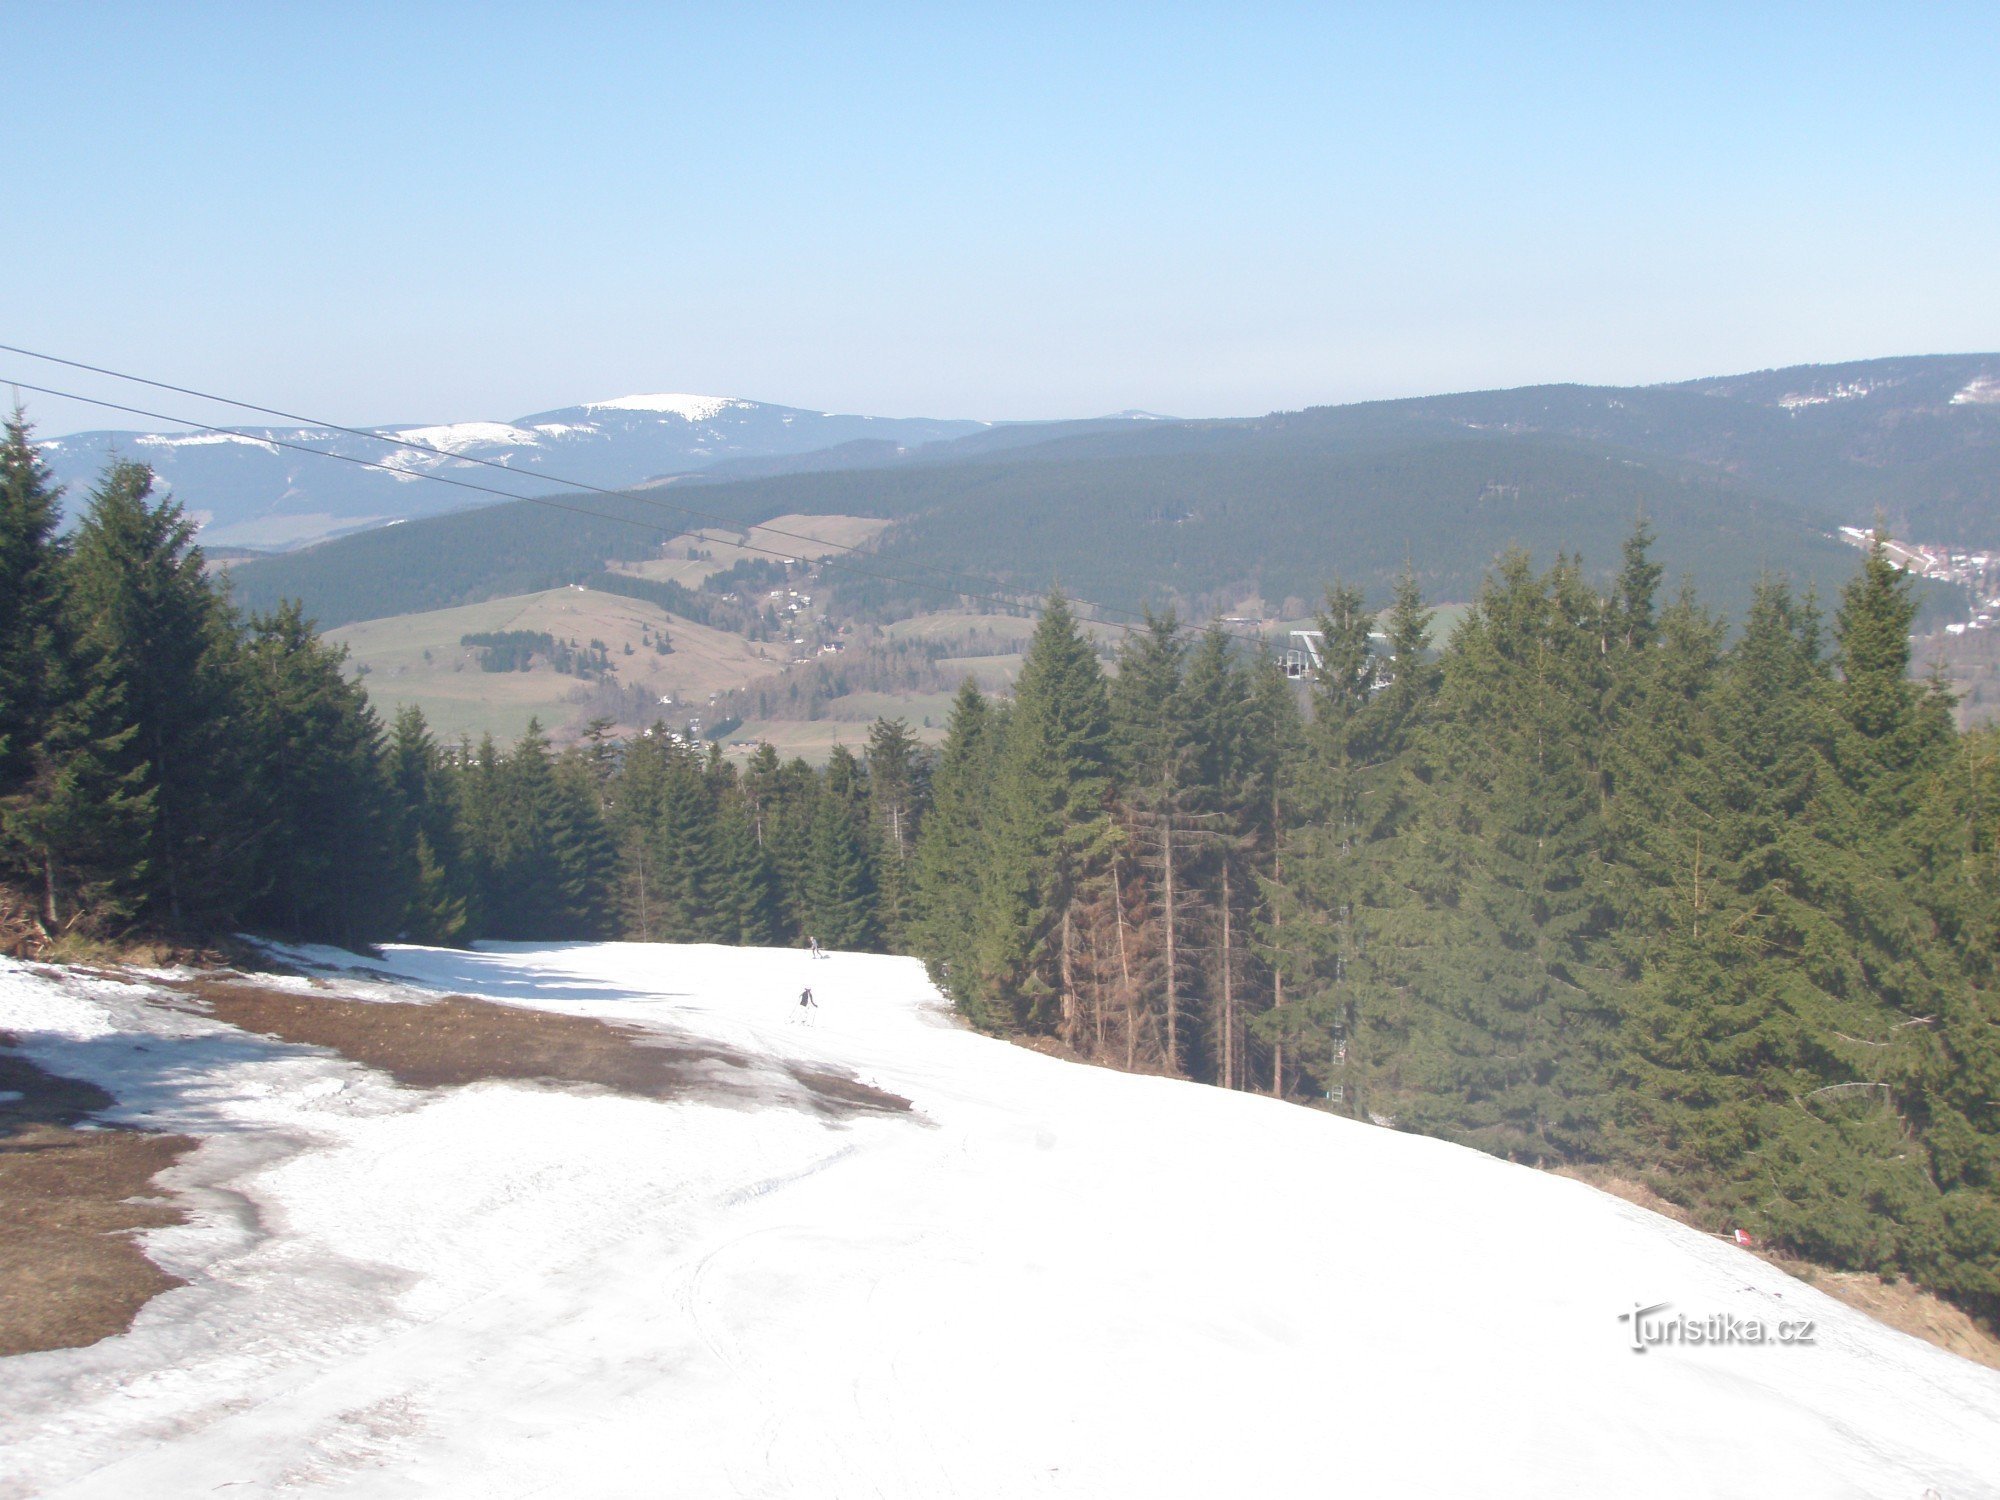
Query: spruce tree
x,y
1152,752
841,886
1510,1025
435,888
548,880
747,911
950,853
318,781
687,867
79,827
1349,751
32,650
637,806
478,794
586,852
1050,789
1274,741
142,607
1214,710
1894,727
898,772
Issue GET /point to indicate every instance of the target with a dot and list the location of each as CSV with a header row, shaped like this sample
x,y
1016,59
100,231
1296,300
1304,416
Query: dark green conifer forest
x,y
1593,881
1602,878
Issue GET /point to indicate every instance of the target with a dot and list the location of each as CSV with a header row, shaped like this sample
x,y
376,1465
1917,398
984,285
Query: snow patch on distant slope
x,y
456,437
1981,391
203,440
689,408
1847,390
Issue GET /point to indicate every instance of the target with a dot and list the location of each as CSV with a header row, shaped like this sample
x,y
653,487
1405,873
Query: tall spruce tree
x,y
898,770
165,641
76,810
32,650
436,907
1510,1026
1895,727
1342,767
687,883
840,883
1151,855
950,853
1051,787
317,778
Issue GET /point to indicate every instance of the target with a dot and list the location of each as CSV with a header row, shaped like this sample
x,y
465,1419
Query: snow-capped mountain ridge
x,y
248,489
688,408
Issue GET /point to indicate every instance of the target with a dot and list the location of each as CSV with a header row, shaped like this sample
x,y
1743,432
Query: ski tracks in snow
x,y
826,1394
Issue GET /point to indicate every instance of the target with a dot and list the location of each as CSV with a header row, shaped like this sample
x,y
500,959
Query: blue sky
x,y
435,212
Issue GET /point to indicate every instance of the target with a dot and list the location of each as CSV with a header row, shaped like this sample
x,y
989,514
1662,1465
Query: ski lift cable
x,y
399,441
466,484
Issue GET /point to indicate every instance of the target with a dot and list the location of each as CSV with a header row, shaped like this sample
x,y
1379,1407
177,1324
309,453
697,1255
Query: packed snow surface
x,y
1045,1279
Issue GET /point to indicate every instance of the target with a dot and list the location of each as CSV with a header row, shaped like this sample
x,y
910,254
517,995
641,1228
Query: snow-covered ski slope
x,y
1045,1279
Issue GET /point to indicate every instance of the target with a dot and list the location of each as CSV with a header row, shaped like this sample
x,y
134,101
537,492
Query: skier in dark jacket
x,y
807,1005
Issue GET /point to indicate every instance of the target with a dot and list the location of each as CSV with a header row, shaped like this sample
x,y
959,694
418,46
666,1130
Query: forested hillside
x,y
1198,527
458,559
1736,475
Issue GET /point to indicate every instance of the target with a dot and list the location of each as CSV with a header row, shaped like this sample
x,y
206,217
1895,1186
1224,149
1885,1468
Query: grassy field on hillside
x,y
958,625
723,547
418,659
814,739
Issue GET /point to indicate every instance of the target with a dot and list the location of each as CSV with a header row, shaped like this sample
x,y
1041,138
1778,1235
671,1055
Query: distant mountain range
x,y
251,491
1916,439
1737,474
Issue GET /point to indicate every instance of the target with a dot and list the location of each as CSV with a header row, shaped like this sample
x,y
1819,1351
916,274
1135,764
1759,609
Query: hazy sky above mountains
x,y
432,212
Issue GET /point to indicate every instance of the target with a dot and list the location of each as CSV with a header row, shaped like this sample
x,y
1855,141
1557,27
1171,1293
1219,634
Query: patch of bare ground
x,y
70,1197
459,1040
1901,1304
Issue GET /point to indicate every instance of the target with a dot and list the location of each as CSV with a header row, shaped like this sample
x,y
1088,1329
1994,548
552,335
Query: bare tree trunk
x,y
1068,984
1277,964
1228,991
1125,970
169,827
1096,994
1173,976
49,891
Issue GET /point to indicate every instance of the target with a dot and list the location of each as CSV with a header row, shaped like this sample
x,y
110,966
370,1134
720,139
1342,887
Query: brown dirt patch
x,y
1901,1304
458,1040
70,1273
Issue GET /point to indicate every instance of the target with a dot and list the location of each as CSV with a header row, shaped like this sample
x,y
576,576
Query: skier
x,y
812,947
807,1005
